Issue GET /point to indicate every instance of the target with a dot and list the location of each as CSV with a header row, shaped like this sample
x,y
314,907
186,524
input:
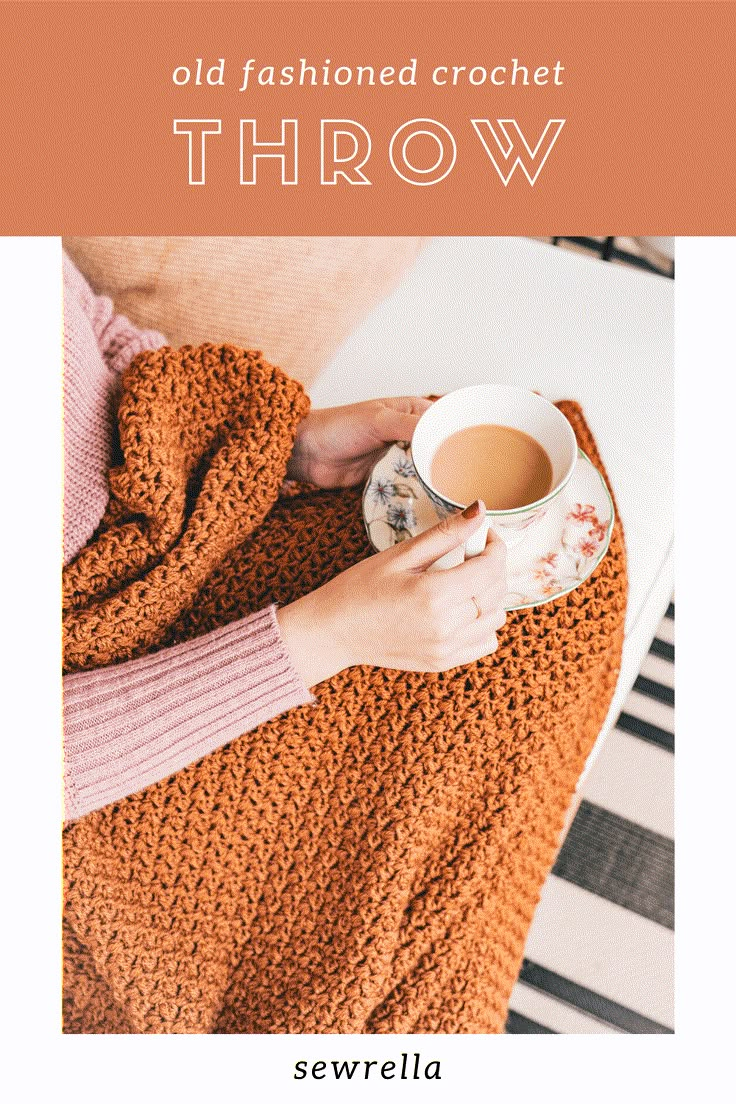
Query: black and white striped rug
x,y
599,958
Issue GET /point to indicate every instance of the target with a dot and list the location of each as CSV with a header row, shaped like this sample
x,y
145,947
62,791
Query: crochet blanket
x,y
366,863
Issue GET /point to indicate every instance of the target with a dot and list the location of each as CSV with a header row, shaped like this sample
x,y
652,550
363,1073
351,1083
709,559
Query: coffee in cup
x,y
502,466
510,447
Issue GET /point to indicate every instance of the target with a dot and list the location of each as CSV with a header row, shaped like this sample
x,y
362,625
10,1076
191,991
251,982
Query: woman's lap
x,y
369,862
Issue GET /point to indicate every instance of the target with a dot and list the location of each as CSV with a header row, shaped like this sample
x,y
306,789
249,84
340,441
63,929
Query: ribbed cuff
x,y
130,725
125,342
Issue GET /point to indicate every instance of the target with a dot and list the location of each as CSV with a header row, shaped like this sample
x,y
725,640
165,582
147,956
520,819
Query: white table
x,y
511,310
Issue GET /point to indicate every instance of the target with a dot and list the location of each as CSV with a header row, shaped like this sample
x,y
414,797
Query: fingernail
x,y
472,511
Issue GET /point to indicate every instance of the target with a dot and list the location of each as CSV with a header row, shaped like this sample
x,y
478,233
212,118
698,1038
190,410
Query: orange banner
x,y
368,118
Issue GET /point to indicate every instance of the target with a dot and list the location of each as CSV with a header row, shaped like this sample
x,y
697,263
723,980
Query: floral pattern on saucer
x,y
582,539
562,549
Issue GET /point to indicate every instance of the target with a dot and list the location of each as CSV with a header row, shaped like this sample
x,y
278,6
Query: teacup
x,y
495,404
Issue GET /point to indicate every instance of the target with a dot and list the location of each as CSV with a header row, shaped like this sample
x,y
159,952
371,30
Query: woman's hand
x,y
390,610
337,447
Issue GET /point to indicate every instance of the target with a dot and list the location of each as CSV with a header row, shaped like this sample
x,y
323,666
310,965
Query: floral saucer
x,y
558,553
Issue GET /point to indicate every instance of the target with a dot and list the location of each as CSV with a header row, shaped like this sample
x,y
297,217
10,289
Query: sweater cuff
x,y
122,341
133,724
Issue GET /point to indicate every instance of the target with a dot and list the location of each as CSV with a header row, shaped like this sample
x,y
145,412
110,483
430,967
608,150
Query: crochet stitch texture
x,y
366,863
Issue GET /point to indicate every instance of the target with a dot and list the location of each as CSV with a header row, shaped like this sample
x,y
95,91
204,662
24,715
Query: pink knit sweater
x,y
130,725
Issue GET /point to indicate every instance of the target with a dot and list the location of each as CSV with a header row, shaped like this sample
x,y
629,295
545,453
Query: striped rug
x,y
599,958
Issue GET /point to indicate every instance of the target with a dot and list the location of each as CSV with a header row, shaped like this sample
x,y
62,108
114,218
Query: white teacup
x,y
495,404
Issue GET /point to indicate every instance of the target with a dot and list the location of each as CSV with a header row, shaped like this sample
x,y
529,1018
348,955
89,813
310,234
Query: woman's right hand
x,y
390,610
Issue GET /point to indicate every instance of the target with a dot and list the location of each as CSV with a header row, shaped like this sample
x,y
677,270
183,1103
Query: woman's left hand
x,y
337,447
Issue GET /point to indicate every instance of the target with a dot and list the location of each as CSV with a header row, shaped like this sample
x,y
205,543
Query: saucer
x,y
558,553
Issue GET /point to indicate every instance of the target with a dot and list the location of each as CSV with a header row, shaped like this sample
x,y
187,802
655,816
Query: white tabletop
x,y
511,310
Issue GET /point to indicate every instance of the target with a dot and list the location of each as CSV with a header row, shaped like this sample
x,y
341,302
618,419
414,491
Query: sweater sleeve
x,y
98,345
135,723
130,725
118,340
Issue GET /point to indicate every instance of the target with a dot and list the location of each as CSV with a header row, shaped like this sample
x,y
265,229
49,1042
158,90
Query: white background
x,y
694,1064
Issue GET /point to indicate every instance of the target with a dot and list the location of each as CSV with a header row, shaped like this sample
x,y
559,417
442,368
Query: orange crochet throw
x,y
369,862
